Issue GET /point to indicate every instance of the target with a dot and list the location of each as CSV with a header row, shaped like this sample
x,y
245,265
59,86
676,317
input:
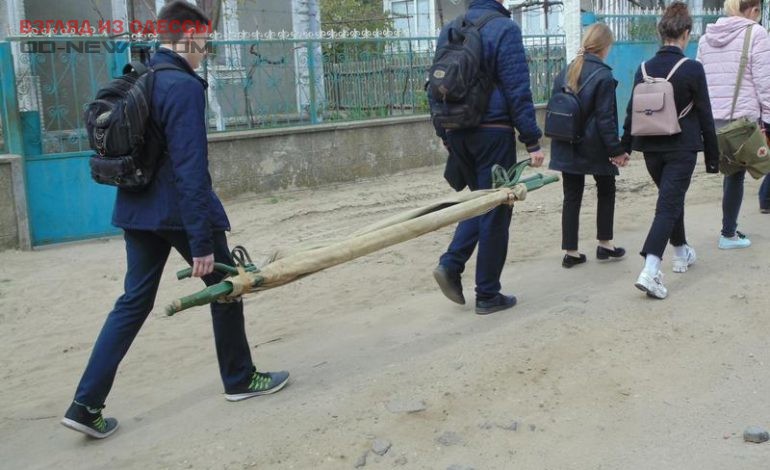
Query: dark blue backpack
x,y
458,85
564,114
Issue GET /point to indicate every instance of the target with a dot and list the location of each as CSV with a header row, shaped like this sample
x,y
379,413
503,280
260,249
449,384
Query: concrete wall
x,y
260,161
14,228
3,19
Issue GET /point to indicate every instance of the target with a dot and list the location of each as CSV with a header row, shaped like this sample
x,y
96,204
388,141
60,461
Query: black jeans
x,y
671,172
147,253
573,198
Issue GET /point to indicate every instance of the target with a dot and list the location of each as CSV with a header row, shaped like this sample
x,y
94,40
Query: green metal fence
x,y
285,82
637,25
253,83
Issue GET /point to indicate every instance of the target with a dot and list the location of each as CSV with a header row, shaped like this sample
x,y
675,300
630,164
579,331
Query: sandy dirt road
x,y
585,373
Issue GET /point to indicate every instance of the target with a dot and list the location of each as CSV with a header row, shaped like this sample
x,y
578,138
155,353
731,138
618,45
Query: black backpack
x,y
119,126
564,114
458,84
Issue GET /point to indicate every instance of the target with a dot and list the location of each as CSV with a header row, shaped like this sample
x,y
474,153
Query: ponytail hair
x,y
675,22
597,38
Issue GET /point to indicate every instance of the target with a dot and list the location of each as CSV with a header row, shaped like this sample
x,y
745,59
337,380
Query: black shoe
x,y
260,383
449,282
495,304
603,253
89,421
570,261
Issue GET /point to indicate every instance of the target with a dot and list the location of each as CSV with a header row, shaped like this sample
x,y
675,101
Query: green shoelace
x,y
260,381
99,423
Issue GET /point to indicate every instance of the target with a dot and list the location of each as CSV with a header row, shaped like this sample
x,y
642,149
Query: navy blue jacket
x,y
504,56
601,140
698,132
181,196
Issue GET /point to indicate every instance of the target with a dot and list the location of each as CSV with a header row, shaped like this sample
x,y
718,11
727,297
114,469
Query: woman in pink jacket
x,y
720,52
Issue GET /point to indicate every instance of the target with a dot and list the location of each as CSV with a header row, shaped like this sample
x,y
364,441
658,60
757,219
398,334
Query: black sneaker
x,y
605,254
261,383
89,421
449,282
495,304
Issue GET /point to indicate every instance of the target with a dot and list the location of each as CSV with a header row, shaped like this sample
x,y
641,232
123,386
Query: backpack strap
x,y
645,77
689,107
588,79
676,67
742,67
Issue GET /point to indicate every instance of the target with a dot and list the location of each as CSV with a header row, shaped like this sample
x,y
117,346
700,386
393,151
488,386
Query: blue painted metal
x,y
119,58
33,144
9,105
587,18
65,204
625,58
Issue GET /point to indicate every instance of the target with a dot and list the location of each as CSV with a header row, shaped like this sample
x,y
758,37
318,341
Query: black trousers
x,y
573,199
671,172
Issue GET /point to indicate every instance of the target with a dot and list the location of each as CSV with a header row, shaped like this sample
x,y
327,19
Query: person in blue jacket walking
x,y
478,149
178,210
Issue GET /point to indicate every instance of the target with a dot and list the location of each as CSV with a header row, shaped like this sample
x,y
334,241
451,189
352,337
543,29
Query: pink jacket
x,y
720,52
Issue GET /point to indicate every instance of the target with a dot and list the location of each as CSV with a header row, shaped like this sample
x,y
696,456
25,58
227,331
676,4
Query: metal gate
x,y
45,84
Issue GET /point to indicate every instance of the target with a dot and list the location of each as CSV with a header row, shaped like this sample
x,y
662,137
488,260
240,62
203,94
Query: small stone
x,y
755,434
532,427
459,467
381,446
514,426
406,406
486,425
401,461
449,438
361,462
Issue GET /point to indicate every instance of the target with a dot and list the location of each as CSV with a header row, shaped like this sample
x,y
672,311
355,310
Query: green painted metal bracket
x,y
508,178
219,267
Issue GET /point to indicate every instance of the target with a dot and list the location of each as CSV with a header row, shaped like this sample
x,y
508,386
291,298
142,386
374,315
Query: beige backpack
x,y
653,107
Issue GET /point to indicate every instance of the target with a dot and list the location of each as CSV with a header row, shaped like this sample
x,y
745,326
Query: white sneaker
x,y
737,242
682,263
652,285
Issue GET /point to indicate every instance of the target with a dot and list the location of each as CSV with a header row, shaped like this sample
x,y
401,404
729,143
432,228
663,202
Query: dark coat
x,y
181,196
504,56
600,134
689,82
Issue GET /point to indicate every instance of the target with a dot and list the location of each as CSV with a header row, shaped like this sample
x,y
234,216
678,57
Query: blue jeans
x,y
671,172
764,194
484,147
147,253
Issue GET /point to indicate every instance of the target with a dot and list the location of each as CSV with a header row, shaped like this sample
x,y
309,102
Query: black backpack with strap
x,y
564,119
127,142
458,83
